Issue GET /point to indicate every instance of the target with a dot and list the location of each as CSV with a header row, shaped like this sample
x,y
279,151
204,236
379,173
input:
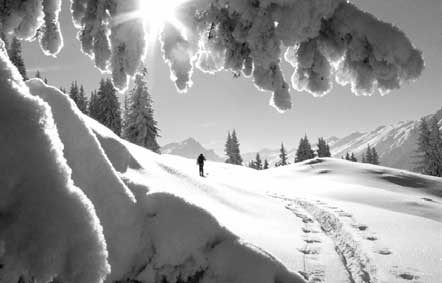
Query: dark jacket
x,y
200,160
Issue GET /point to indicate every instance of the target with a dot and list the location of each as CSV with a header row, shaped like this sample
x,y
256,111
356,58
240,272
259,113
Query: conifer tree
x,y
368,155
374,157
16,56
323,148
304,151
435,166
93,105
38,74
79,97
266,165
107,107
236,154
353,157
228,149
258,162
347,156
140,126
363,160
282,156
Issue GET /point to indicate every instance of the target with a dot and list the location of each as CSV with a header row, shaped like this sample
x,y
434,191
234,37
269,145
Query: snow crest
x,y
48,227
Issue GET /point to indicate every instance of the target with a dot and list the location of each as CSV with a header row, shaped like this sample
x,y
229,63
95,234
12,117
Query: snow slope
x,y
396,144
151,235
190,148
328,219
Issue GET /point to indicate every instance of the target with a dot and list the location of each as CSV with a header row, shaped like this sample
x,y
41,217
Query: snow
x,y
150,218
48,227
388,220
396,144
324,41
150,234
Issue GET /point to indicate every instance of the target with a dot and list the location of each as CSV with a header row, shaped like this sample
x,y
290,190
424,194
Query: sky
x,y
218,103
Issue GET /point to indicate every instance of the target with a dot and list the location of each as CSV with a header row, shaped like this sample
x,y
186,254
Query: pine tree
x,y
266,165
93,105
347,156
228,149
368,155
282,156
15,55
38,74
323,148
435,149
236,154
353,157
304,151
140,126
79,97
363,160
258,162
423,148
374,157
107,107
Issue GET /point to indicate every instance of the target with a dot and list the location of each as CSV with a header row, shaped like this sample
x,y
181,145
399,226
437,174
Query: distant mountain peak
x,y
190,148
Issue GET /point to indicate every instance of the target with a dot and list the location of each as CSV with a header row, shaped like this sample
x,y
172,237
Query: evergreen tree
x,y
363,160
266,165
258,162
374,157
304,150
236,154
228,149
282,156
15,55
430,148
38,74
368,155
107,107
79,97
45,80
323,148
140,126
347,156
353,157
93,105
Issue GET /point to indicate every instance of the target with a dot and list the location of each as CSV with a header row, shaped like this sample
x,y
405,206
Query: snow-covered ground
x,y
327,220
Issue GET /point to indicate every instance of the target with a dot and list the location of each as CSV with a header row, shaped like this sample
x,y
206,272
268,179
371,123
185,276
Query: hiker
x,y
200,161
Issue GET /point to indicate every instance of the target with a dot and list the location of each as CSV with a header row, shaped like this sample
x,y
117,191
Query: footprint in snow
x,y
309,251
360,227
384,251
312,240
371,238
406,274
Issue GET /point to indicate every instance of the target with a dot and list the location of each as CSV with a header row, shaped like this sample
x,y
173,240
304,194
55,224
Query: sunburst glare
x,y
156,13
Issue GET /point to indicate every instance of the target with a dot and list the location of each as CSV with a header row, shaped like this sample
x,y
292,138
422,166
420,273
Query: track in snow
x,y
357,262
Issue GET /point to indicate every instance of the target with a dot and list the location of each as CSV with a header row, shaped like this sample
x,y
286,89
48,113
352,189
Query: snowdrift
x,y
151,236
95,208
329,219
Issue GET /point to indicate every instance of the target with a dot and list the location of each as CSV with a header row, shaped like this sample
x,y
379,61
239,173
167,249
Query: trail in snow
x,y
347,235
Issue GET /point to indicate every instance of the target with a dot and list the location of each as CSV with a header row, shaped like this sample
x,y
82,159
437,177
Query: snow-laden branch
x,y
324,40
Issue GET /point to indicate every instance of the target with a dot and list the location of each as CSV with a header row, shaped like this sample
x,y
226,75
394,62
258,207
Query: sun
x,y
156,13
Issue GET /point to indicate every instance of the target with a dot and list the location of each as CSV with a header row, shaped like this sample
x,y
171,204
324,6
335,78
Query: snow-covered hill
x,y
190,148
119,212
396,144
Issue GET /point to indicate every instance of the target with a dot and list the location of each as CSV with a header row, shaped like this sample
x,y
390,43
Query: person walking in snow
x,y
200,161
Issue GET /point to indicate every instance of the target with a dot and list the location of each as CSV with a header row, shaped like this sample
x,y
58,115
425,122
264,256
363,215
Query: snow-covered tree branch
x,y
324,40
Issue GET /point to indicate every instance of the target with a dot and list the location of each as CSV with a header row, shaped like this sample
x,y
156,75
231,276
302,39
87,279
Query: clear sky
x,y
218,103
